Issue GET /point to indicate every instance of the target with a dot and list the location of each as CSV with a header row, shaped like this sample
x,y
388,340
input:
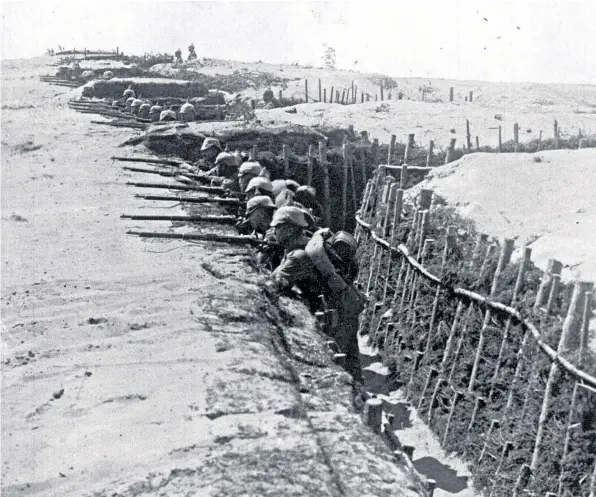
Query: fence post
x,y
471,96
326,192
306,90
451,94
331,96
344,189
431,146
516,136
409,146
375,151
320,92
309,164
286,160
325,95
468,137
382,94
477,144
390,149
253,153
450,151
553,267
504,259
518,285
556,133
539,141
500,139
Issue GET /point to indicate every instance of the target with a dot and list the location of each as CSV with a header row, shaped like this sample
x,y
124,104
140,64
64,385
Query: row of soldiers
x,y
302,255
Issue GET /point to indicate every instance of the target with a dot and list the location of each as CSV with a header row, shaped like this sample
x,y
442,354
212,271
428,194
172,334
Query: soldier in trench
x,y
309,267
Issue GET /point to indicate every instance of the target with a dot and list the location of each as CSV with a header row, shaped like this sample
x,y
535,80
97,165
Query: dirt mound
x,y
544,198
145,87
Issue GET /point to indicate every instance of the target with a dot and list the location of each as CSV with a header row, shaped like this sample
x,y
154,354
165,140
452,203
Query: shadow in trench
x,y
444,475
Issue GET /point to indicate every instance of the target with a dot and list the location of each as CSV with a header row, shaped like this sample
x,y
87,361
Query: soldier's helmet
x,y
210,142
226,159
259,202
249,168
136,103
289,214
259,183
129,92
187,107
345,242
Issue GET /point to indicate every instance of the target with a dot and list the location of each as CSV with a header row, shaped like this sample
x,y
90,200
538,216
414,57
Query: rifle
x,y
148,160
204,237
197,177
194,200
186,188
231,220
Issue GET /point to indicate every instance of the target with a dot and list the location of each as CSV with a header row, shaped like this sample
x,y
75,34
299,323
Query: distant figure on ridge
x,y
192,55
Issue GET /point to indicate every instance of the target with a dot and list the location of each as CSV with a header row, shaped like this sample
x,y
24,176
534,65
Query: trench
x,y
346,168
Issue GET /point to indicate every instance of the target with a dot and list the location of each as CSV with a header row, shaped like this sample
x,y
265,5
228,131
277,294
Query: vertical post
x,y
382,94
516,136
504,259
355,94
362,97
373,414
325,95
431,146
343,96
280,97
552,267
556,133
344,189
375,151
500,139
117,51
409,146
306,90
403,177
326,192
320,91
331,96
451,94
286,160
477,144
450,151
253,153
471,96
468,137
390,149
309,164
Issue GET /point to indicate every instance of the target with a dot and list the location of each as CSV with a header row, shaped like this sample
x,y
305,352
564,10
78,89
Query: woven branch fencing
x,y
499,366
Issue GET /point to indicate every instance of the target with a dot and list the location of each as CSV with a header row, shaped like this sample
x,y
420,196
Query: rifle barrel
x,y
168,172
148,160
192,219
150,171
193,200
205,237
198,188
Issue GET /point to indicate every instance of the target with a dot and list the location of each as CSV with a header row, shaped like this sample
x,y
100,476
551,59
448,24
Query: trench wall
x,y
492,353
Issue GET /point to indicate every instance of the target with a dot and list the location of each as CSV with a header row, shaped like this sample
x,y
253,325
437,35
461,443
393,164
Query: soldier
x,y
210,149
129,92
187,112
259,186
258,216
307,196
167,115
178,55
248,171
296,268
192,55
314,263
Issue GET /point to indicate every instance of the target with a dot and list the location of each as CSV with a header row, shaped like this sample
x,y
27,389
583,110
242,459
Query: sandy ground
x,y
150,368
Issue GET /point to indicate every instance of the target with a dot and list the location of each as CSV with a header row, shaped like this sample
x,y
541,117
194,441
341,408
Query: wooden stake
x,y
375,151
556,133
320,91
457,396
331,96
451,94
573,332
409,146
382,96
280,97
306,90
471,96
477,144
286,160
373,413
325,95
344,189
518,284
352,178
390,149
253,153
326,191
516,137
309,164
500,149
539,141
553,267
468,137
403,178
431,146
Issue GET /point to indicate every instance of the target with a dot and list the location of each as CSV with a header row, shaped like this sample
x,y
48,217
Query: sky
x,y
542,41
